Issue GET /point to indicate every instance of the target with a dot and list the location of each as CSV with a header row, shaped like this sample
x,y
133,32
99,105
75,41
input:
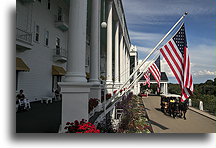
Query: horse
x,y
173,107
183,106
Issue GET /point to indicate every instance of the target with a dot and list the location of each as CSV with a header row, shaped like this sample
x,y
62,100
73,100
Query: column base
x,y
75,98
117,85
136,91
75,78
95,91
109,87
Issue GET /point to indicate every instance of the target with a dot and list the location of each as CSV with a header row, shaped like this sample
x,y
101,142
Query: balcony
x,y
60,55
61,22
24,39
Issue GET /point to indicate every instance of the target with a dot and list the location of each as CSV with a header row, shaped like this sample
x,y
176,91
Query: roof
x,y
21,65
163,77
170,95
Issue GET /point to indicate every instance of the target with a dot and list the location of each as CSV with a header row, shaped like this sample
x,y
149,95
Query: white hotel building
x,y
80,45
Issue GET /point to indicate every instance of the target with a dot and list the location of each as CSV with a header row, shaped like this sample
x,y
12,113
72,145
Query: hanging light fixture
x,y
104,24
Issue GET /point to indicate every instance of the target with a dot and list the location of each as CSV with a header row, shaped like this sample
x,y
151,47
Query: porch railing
x,y
60,52
23,36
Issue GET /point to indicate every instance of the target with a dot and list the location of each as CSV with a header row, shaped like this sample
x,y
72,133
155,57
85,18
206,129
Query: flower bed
x,y
134,118
81,127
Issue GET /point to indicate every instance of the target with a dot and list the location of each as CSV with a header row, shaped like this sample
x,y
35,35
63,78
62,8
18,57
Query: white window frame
x,y
37,32
46,37
57,37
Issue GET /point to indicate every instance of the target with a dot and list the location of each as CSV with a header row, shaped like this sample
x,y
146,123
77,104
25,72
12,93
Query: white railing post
x,y
201,105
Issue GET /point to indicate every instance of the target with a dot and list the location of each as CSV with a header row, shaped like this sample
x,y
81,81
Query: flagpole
x,y
112,99
183,16
141,74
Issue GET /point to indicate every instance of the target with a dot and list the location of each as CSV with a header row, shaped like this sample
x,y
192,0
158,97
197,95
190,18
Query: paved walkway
x,y
195,123
41,118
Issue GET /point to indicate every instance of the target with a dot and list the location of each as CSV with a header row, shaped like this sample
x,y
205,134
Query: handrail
x,y
114,98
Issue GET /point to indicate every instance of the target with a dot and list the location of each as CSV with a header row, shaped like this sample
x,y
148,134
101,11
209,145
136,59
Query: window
x,y
57,42
57,46
48,4
59,14
37,33
39,0
47,38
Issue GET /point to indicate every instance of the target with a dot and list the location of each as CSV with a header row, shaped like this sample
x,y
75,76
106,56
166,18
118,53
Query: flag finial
x,y
186,13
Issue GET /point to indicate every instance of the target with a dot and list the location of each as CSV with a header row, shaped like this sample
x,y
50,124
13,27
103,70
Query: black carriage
x,y
170,104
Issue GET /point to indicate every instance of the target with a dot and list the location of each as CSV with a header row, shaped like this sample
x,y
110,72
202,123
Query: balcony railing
x,y
61,22
23,36
60,54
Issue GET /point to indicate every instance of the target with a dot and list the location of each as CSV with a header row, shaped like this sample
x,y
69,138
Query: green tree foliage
x,y
174,89
205,92
153,87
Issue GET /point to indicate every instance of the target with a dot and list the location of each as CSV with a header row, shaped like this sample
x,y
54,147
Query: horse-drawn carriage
x,y
171,105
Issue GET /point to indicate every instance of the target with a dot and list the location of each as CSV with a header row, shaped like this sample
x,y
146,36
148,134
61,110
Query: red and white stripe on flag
x,y
156,73
147,77
176,54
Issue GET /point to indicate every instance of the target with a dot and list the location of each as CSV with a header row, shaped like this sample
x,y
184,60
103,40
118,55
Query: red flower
x,y
108,96
81,127
114,92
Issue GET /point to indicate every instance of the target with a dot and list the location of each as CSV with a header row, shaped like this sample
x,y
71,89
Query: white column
x,y
74,89
95,50
95,42
126,64
109,43
166,88
138,88
117,53
121,58
123,75
76,42
135,75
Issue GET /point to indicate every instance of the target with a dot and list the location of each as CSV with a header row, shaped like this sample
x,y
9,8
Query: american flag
x,y
147,77
155,71
176,54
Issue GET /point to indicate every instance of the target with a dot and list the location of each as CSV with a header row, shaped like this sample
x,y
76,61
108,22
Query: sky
x,y
149,20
